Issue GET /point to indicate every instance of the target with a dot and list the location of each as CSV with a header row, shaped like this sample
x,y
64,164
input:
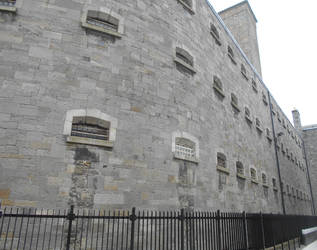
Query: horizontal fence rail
x,y
33,229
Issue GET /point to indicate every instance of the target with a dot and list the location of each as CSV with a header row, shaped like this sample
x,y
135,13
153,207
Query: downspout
x,y
308,176
276,154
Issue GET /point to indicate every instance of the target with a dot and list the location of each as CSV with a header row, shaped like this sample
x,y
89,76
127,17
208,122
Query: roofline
x,y
309,127
241,3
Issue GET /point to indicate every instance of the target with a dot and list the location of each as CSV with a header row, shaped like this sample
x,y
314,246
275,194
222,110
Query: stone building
x,y
114,104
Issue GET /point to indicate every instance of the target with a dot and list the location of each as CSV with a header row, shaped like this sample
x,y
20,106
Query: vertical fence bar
x,y
262,230
218,229
245,230
70,217
132,218
182,228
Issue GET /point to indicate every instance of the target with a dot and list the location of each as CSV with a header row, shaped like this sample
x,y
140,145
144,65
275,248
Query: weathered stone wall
x,y
50,65
310,139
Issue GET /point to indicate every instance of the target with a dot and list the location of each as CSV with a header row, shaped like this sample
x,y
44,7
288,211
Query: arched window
x,y
234,102
185,60
240,168
90,127
274,183
105,21
215,33
244,72
231,55
253,175
218,87
264,179
185,147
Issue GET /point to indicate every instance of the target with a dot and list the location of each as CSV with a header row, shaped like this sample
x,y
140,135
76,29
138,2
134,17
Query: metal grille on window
x,y
7,2
240,169
253,174
184,56
90,128
263,178
102,20
221,160
185,148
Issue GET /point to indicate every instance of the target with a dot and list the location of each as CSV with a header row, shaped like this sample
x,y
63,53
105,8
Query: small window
x,y
244,72
231,55
273,109
264,179
185,60
254,86
253,174
8,5
111,24
188,5
268,134
221,160
218,86
184,148
282,148
234,102
274,183
293,191
264,98
90,127
215,33
240,168
287,189
258,125
283,123
247,114
278,116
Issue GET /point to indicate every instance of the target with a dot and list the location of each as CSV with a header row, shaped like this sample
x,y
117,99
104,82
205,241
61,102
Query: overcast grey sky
x,y
287,35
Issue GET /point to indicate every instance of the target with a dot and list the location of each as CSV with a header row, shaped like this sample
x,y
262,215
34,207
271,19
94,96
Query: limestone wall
x,y
50,65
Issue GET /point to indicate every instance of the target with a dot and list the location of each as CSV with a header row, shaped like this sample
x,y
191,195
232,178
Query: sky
x,y
287,36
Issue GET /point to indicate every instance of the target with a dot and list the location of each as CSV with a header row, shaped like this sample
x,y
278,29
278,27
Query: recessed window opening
x,y
240,168
103,20
244,71
184,148
274,183
218,83
247,112
90,127
254,86
234,99
221,160
184,56
253,174
264,179
215,33
188,2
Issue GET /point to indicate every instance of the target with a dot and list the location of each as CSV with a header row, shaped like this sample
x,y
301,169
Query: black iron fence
x,y
147,230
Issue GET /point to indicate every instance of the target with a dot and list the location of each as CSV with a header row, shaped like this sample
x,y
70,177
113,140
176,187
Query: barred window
x,y
7,2
184,56
103,20
184,148
240,168
90,127
221,160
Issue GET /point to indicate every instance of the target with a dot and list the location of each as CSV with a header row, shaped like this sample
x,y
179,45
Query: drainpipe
x,y
308,176
276,154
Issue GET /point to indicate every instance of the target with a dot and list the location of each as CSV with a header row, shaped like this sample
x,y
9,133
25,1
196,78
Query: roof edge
x,y
238,4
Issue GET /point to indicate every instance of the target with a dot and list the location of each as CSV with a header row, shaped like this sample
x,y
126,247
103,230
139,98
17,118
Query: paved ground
x,y
312,246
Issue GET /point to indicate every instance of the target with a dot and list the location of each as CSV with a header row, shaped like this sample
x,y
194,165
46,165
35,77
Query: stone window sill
x,y
269,138
8,8
219,91
275,189
187,7
235,106
216,38
186,65
100,29
265,185
232,59
190,159
223,170
89,141
241,176
254,181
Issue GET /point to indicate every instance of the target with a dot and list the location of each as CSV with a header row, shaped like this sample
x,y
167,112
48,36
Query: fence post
x,y
182,228
262,230
245,230
218,229
133,219
70,217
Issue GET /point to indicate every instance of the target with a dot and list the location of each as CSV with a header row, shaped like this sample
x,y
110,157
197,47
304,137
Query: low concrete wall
x,y
309,235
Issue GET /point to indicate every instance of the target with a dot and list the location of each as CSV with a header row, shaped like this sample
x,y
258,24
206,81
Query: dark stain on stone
x,y
85,154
